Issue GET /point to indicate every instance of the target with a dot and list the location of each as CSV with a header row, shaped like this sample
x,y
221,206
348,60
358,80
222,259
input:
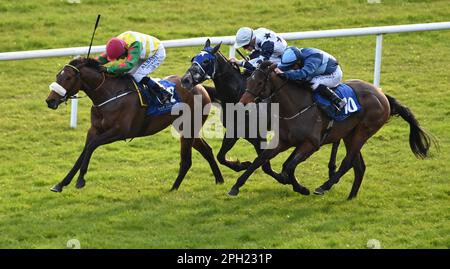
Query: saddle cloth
x,y
151,99
345,92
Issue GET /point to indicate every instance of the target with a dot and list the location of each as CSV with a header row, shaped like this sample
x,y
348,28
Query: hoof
x,y
245,165
233,192
302,190
219,182
319,191
57,188
80,183
173,189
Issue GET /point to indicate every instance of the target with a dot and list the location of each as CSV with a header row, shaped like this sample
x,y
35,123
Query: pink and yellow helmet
x,y
115,48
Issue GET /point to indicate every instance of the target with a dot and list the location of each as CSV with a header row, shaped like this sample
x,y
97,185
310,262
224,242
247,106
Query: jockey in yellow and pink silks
x,y
143,54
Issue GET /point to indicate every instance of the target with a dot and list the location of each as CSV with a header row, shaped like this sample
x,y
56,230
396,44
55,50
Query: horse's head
x,y
68,81
259,84
202,68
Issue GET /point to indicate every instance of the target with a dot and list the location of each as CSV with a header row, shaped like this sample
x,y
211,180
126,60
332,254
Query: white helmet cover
x,y
243,37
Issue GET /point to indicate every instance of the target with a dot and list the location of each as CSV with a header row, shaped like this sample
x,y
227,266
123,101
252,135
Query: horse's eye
x,y
206,61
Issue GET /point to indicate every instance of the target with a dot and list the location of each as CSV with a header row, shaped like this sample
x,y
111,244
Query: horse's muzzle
x,y
52,103
187,82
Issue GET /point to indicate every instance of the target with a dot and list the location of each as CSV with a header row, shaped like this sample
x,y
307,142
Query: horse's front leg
x,y
266,155
266,167
185,162
300,154
107,137
68,178
227,144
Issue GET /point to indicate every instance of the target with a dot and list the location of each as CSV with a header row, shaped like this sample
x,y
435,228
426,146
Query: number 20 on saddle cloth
x,y
347,94
151,100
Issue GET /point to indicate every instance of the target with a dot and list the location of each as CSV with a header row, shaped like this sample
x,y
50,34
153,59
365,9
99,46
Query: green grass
x,y
403,202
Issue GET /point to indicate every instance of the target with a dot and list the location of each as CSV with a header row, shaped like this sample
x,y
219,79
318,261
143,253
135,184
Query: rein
x,y
269,98
77,71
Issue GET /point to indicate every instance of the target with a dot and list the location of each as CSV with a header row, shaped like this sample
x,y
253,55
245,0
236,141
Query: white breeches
x,y
332,80
149,65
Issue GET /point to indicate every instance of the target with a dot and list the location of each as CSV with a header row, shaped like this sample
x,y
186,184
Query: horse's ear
x,y
207,43
217,47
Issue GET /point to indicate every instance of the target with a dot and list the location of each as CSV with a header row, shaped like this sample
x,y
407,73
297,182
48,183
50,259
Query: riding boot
x,y
332,96
144,83
155,88
166,95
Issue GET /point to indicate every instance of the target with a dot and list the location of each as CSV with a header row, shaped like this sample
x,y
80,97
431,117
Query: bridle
x,y
204,75
259,97
78,76
269,98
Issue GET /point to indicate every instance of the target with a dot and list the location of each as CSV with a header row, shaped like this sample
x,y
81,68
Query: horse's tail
x,y
212,93
419,140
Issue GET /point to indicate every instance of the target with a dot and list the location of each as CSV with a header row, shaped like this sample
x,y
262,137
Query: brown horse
x,y
116,114
302,125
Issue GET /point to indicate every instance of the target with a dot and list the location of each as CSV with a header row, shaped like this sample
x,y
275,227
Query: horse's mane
x,y
220,54
88,62
264,65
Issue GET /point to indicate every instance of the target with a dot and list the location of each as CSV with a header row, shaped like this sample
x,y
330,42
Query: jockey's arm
x,y
258,56
102,58
310,66
131,61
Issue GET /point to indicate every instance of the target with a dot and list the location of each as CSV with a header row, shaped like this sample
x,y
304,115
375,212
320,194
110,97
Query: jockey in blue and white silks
x,y
318,67
263,43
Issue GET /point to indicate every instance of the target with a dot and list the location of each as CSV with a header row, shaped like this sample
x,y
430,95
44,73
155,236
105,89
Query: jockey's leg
x,y
332,96
323,83
148,67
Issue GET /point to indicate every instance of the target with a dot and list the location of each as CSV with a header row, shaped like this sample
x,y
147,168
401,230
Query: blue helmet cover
x,y
289,57
205,54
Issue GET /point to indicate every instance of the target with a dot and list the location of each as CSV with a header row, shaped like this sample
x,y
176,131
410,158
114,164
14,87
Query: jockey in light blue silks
x,y
316,66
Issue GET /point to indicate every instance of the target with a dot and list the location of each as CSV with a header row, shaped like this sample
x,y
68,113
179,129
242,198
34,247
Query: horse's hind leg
x,y
353,144
359,167
201,146
186,161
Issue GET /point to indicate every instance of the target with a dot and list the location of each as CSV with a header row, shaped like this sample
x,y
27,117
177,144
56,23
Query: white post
x,y
73,112
232,51
74,109
377,69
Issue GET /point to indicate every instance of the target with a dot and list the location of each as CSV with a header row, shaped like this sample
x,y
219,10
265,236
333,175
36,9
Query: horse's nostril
x,y
51,103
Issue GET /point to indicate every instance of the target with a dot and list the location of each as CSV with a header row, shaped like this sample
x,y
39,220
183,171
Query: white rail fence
x,y
229,40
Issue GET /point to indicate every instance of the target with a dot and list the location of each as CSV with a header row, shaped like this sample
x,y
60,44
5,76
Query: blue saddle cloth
x,y
345,92
155,107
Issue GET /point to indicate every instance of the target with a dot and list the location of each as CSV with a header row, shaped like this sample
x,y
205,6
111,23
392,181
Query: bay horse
x,y
117,114
302,125
230,85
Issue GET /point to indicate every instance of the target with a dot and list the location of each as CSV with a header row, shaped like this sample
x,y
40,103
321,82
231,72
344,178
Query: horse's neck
x,y
229,83
292,97
108,88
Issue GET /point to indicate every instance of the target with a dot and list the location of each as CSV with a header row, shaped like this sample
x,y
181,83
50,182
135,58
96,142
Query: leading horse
x,y
302,125
117,114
